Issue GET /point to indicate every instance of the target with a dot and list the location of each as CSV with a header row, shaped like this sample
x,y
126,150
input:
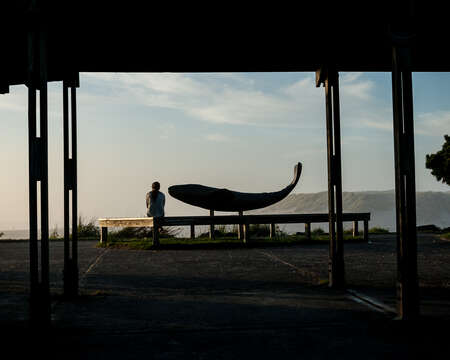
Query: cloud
x,y
237,99
378,121
217,138
355,139
231,99
360,90
354,85
219,98
15,101
165,130
433,123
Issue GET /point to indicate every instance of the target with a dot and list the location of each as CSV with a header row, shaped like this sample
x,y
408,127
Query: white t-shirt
x,y
155,208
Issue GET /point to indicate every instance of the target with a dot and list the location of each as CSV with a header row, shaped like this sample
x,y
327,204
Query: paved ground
x,y
260,302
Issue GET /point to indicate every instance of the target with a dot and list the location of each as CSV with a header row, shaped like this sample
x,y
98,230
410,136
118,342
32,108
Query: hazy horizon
x,y
242,131
433,207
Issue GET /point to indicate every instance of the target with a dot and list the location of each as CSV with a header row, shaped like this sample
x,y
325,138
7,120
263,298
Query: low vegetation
x,y
255,230
227,239
378,230
87,230
54,235
142,233
317,232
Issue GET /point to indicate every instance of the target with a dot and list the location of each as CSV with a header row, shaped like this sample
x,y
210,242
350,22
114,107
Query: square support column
x,y
329,77
71,276
40,306
405,188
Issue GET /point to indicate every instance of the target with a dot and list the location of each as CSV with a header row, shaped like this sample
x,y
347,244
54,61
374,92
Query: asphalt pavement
x,y
255,302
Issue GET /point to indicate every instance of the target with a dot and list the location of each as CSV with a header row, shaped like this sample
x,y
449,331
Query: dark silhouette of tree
x,y
439,163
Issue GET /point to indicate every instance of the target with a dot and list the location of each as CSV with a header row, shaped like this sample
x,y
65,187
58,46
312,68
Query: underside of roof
x,y
98,36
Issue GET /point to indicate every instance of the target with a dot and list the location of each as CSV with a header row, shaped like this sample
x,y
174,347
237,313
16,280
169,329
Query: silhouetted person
x,y
155,201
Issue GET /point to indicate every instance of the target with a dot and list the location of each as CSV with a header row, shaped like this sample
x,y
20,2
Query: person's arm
x,y
147,199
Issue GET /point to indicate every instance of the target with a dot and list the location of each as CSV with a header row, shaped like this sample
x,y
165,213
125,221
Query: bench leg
x,y
308,231
272,231
155,236
355,228
192,231
104,235
366,231
240,227
155,232
246,233
211,227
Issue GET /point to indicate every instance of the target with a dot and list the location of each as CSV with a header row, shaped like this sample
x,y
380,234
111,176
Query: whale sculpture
x,y
211,198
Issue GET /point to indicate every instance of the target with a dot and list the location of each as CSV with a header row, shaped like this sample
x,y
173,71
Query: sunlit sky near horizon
x,y
242,131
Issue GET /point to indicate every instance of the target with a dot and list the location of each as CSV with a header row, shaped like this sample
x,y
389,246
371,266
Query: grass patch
x,y
446,236
219,242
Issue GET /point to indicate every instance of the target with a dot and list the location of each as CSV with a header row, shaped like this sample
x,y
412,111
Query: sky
x,y
242,131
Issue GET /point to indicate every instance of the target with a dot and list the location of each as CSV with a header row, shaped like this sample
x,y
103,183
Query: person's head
x,y
155,189
156,186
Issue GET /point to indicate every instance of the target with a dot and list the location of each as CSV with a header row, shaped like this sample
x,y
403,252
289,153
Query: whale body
x,y
212,198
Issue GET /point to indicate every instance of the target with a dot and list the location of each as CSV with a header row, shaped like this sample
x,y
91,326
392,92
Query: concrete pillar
x,y
329,76
405,187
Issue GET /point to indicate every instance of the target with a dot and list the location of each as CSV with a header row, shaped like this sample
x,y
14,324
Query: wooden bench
x,y
242,220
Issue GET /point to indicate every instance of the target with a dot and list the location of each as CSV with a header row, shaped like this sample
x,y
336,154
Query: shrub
x,y
378,230
145,232
259,230
222,231
87,230
318,231
255,230
54,235
134,232
428,228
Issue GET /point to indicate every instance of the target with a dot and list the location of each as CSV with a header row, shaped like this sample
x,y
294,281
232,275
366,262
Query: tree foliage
x,y
439,163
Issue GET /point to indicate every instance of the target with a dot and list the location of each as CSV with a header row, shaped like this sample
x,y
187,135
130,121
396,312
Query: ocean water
x,y
14,234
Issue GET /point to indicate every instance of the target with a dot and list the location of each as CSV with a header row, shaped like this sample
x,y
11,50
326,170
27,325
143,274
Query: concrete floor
x,y
260,302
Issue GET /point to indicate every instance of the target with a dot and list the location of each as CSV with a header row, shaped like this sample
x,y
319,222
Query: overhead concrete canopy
x,y
138,36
